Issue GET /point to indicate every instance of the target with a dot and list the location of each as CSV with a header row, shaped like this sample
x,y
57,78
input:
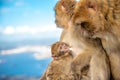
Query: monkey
x,y
61,15
87,51
59,68
59,50
91,53
100,19
64,11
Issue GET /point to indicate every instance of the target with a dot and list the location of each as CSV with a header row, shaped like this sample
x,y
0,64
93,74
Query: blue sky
x,y
27,12
27,16
26,26
21,21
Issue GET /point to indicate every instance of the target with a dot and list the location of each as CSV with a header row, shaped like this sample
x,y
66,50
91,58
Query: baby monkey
x,y
59,68
60,50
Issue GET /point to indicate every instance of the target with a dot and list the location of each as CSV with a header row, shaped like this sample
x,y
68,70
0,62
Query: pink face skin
x,y
64,48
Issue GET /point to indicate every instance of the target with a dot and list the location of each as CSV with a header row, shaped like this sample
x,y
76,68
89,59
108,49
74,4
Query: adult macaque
x,y
86,51
101,19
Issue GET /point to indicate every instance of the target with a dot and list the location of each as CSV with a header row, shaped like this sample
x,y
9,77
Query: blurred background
x,y
27,30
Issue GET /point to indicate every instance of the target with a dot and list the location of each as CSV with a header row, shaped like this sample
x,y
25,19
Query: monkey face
x,y
59,50
87,18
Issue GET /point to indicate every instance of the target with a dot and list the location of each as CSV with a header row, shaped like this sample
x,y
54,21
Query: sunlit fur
x,y
101,19
59,68
86,51
63,12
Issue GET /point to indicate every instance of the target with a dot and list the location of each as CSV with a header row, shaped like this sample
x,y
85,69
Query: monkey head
x,y
88,17
59,50
63,12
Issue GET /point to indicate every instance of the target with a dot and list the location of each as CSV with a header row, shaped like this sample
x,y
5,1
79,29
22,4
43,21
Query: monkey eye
x,y
82,25
77,24
85,25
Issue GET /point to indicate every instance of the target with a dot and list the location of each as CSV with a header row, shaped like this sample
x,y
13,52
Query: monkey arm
x,y
81,61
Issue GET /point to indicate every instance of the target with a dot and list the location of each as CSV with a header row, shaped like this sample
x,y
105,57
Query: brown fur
x,y
100,19
86,51
64,11
59,68
89,52
59,50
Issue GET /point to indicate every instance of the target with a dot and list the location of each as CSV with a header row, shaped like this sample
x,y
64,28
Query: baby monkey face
x,y
59,50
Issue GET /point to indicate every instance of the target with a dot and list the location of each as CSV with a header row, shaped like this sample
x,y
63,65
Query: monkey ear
x,y
64,6
92,5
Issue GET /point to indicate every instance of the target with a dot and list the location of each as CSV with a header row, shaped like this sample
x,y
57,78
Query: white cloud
x,y
39,56
18,50
9,30
50,30
40,52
